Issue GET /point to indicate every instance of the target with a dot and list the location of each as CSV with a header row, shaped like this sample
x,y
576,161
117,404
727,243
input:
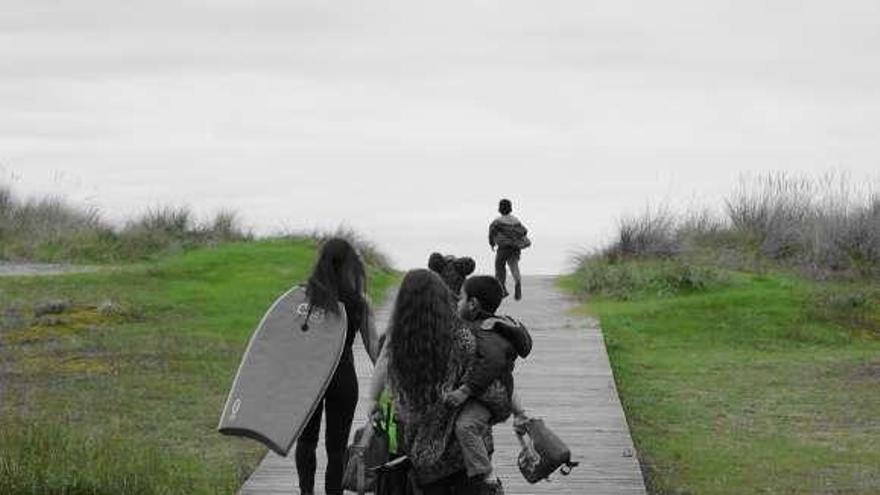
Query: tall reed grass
x,y
824,226
54,230
51,229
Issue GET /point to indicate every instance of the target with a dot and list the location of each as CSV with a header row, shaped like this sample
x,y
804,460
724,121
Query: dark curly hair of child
x,y
421,329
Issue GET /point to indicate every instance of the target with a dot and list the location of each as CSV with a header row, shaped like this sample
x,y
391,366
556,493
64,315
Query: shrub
x,y
170,222
855,308
651,235
44,228
824,227
772,212
859,239
599,276
225,227
6,201
52,230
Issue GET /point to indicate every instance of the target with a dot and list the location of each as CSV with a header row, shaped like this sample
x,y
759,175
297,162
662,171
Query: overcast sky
x,y
409,120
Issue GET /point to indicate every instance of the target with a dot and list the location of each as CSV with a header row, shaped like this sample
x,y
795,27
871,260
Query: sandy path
x,y
12,269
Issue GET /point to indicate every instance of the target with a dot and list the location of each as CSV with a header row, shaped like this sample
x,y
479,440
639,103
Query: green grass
x,y
122,393
768,384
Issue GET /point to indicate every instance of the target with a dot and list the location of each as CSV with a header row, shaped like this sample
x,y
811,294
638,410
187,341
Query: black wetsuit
x,y
339,403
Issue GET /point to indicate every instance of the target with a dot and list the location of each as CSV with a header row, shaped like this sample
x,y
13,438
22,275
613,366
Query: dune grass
x,y
823,227
51,229
121,393
746,345
766,383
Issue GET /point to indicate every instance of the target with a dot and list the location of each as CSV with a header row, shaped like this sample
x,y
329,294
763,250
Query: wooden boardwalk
x,y
566,381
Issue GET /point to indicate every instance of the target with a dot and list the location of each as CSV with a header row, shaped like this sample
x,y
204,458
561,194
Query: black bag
x,y
542,452
523,242
396,478
363,455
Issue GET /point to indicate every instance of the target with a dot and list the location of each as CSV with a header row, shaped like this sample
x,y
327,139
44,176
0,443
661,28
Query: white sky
x,y
408,120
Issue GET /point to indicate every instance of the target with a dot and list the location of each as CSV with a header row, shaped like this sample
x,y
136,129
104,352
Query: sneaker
x,y
517,291
504,292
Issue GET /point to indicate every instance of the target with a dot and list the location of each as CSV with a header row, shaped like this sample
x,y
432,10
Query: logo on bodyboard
x,y
317,314
235,407
310,313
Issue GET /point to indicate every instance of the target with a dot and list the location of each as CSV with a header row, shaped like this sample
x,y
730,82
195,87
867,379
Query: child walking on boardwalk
x,y
499,339
510,235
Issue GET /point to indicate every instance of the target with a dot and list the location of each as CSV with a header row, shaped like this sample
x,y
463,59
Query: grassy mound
x,y
768,385
51,229
120,389
823,228
746,348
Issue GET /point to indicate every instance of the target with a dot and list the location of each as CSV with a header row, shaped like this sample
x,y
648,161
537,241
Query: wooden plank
x,y
566,380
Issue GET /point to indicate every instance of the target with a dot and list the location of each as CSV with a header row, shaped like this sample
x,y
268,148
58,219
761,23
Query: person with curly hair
x,y
427,354
338,276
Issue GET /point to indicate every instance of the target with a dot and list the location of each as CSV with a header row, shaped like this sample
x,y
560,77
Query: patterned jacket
x,y
428,437
505,231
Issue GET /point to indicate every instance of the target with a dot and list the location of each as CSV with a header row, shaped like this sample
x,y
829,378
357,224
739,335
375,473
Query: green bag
x,y
368,451
388,423
374,445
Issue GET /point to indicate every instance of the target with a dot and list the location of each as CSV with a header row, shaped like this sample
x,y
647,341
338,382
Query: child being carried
x,y
487,394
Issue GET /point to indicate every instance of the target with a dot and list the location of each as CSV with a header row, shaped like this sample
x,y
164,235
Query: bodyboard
x,y
288,364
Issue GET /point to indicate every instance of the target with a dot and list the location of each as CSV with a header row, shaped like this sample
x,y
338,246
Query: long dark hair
x,y
421,337
338,276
